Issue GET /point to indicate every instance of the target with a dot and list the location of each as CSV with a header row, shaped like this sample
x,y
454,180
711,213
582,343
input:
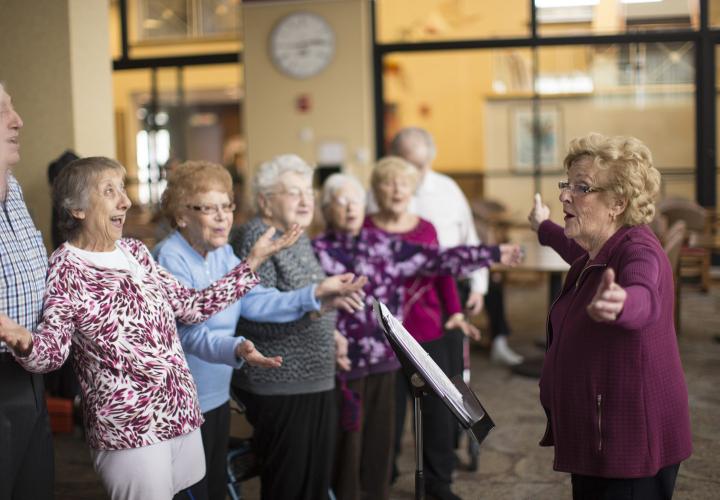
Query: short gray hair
x,y
408,133
269,172
336,182
71,190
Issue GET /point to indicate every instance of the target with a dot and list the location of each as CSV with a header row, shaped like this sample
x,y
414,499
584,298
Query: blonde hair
x,y
190,178
629,171
390,167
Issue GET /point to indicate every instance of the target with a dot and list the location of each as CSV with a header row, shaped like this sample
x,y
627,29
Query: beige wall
x,y
341,95
664,121
58,79
90,74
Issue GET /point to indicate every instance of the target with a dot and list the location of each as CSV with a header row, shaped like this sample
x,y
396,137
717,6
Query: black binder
x,y
456,395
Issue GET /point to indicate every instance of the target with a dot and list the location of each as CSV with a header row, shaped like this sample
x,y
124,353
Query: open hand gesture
x,y
510,255
343,291
15,336
609,299
539,213
266,246
253,357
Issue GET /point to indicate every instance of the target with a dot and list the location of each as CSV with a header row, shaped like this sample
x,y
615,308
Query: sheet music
x,y
427,368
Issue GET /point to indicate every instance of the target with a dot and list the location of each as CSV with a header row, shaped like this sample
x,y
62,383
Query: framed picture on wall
x,y
548,139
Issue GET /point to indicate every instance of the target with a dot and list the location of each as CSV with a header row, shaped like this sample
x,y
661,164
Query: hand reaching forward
x,y
609,299
15,336
343,291
266,246
475,303
510,255
253,357
458,320
539,213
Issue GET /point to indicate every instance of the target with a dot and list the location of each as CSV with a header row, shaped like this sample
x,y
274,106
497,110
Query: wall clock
x,y
302,44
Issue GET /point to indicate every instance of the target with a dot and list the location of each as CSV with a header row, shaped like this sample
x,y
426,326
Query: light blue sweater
x,y
210,347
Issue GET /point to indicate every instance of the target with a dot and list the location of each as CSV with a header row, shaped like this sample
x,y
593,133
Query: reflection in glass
x,y
160,19
566,17
481,109
179,20
431,20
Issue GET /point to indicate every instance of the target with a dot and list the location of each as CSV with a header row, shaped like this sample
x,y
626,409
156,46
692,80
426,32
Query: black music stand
x,y
425,377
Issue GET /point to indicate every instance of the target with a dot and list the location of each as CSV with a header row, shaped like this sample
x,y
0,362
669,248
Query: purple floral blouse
x,y
387,260
136,386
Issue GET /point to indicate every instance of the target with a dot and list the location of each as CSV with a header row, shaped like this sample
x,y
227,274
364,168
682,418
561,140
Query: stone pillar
x,y
55,62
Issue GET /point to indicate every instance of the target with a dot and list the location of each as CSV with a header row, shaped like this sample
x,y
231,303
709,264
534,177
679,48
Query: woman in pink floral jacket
x,y
108,300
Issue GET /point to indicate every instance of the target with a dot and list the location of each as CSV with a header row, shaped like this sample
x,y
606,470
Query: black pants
x,y
294,441
215,436
495,307
27,466
363,458
439,425
658,487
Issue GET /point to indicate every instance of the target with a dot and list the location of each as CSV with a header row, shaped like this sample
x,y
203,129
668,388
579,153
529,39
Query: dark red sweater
x,y
615,393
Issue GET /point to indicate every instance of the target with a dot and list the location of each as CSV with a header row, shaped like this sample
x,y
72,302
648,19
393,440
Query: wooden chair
x,y
695,253
672,242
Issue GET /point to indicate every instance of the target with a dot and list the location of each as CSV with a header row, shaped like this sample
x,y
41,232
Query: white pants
x,y
154,472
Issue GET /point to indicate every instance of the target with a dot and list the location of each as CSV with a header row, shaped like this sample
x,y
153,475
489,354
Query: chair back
x,y
674,209
672,244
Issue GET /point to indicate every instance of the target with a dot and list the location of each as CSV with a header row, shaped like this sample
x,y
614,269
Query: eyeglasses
x,y
226,208
296,193
346,201
578,189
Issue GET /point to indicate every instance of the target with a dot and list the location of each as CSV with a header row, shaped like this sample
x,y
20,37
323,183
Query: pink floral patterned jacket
x,y
136,386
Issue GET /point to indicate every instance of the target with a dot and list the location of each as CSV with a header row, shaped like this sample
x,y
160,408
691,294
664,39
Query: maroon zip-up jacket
x,y
614,393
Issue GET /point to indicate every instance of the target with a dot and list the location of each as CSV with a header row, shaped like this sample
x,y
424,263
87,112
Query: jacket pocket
x,y
598,401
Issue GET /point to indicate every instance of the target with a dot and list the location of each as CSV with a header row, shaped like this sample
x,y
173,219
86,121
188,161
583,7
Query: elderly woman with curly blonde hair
x,y
612,383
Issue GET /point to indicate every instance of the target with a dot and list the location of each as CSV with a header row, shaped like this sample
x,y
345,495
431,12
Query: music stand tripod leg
x,y
418,385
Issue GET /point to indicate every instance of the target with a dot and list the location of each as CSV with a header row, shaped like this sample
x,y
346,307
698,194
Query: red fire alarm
x,y
303,103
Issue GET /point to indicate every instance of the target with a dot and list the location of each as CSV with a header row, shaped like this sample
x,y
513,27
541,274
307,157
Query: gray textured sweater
x,y
306,345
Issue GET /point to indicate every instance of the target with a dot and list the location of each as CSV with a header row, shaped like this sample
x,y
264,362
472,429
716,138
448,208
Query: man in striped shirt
x,y
26,452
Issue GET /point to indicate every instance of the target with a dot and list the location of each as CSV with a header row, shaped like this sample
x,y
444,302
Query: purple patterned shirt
x,y
136,386
387,261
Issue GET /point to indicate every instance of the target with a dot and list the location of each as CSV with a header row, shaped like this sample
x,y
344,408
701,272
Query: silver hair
x,y
396,146
336,182
269,172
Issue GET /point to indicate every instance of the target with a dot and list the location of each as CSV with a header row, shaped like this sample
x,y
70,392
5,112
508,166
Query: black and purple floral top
x,y
387,261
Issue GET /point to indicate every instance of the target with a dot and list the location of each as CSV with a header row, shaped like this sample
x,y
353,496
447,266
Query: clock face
x,y
302,44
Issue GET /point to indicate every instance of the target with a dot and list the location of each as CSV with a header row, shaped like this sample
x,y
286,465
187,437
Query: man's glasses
x,y
226,208
578,189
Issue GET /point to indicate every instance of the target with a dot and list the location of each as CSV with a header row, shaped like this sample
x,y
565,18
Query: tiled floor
x,y
512,465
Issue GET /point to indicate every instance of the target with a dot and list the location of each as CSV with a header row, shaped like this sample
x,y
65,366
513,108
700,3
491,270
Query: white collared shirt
x,y
441,201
